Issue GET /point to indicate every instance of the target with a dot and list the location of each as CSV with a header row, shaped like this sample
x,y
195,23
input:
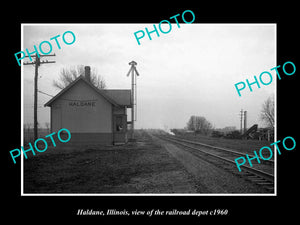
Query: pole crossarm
x,y
42,62
41,55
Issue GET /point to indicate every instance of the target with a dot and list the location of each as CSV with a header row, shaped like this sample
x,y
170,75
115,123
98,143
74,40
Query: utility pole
x,y
241,121
133,93
37,63
245,121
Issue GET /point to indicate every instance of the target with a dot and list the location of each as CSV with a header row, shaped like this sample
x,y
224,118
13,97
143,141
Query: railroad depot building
x,y
92,115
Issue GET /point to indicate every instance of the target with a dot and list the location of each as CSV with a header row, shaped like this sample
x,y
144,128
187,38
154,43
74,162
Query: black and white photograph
x,y
131,114
171,115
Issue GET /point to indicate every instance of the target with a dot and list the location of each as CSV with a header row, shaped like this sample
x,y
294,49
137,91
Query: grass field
x,y
140,167
29,134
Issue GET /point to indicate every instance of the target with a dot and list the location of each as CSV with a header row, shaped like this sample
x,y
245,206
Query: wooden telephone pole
x,y
242,114
37,63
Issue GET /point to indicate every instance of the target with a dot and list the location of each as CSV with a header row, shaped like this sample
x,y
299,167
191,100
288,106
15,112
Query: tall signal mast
x,y
134,73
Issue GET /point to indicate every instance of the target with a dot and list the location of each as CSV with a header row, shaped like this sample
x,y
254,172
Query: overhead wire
x,y
65,99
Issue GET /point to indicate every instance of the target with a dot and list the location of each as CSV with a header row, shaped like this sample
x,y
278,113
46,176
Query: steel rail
x,y
255,171
215,147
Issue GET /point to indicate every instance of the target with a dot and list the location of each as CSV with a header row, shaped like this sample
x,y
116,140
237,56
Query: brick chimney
x,y
87,73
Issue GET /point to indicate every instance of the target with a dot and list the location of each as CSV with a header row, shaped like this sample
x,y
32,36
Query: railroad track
x,y
261,175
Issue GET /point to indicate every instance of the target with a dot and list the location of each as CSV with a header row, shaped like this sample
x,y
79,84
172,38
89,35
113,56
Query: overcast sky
x,y
189,71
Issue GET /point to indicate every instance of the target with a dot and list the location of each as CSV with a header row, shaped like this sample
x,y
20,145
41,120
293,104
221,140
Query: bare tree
x,y
67,76
199,124
267,112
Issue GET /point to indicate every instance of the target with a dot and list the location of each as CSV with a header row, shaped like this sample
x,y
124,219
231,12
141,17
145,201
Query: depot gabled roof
x,y
120,96
115,97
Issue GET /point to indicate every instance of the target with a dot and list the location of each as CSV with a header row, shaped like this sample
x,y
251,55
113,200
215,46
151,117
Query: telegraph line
x,y
65,99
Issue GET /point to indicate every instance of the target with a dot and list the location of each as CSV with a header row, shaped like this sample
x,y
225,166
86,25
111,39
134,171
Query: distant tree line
x,y
199,124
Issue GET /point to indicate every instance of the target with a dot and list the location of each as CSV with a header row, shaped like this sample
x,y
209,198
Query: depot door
x,y
120,129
